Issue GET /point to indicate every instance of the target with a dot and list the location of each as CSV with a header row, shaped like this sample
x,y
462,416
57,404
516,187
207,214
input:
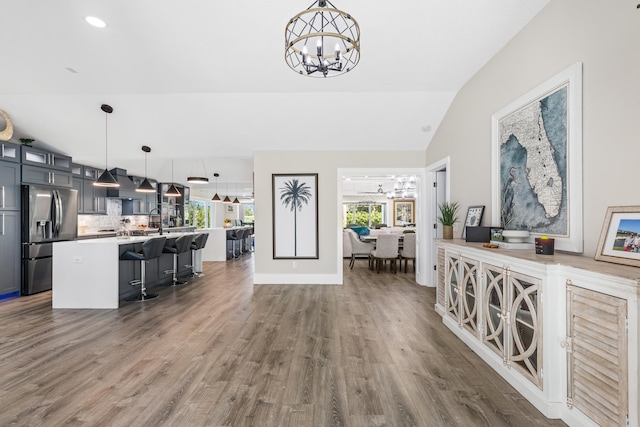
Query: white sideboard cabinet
x,y
561,329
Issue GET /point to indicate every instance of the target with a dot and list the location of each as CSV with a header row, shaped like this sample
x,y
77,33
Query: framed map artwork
x,y
537,161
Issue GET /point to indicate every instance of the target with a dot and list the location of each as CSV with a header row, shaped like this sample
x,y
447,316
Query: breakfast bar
x,y
90,273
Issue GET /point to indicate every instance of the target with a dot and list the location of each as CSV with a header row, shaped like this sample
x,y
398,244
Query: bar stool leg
x,y
143,288
175,281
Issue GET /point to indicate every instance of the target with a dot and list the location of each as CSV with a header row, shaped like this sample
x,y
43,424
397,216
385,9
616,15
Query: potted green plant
x,y
448,217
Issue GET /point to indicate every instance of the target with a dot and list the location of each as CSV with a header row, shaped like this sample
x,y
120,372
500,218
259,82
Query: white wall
x,y
605,36
327,269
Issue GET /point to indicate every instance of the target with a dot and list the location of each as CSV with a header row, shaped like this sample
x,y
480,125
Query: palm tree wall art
x,y
295,216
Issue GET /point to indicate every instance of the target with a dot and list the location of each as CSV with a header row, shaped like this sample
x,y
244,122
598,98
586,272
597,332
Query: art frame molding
x,y
532,174
613,236
473,218
295,216
404,212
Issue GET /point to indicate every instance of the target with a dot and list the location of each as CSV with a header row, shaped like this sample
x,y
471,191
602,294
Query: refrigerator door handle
x,y
60,211
3,224
57,219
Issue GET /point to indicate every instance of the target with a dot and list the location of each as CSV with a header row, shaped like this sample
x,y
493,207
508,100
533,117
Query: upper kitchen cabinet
x,y
94,198
9,186
45,168
9,152
37,157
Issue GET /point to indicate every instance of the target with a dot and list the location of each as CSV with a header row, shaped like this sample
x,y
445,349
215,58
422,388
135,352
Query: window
x,y
249,216
365,214
199,213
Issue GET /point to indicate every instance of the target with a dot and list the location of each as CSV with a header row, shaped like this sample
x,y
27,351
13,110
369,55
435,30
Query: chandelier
x,y
322,41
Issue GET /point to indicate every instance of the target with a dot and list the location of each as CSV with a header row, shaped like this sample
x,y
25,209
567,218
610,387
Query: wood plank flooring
x,y
222,352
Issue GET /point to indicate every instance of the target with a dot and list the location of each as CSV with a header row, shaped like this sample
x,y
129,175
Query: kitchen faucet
x,y
149,219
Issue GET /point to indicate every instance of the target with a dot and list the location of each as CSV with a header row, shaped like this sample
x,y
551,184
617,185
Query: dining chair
x,y
386,249
359,247
408,251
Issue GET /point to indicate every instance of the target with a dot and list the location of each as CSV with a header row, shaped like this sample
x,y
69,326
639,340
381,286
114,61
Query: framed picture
x,y
404,212
620,237
474,217
537,161
295,216
496,234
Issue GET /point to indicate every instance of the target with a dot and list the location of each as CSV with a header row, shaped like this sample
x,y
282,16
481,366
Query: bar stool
x,y
151,249
237,236
199,242
248,235
176,246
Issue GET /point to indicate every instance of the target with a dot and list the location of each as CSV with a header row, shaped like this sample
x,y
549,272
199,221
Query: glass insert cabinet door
x,y
453,286
462,291
512,327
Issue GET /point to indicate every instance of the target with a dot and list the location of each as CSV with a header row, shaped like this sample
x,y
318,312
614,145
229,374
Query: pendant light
x,y
106,179
226,198
173,190
145,186
236,201
216,198
199,179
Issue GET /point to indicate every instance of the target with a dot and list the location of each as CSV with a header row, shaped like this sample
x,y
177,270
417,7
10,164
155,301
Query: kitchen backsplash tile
x,y
111,220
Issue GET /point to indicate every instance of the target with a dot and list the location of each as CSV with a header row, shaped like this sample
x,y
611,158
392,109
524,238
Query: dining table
x,y
373,239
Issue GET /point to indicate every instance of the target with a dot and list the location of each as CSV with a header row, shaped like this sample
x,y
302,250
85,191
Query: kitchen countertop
x,y
132,239
150,231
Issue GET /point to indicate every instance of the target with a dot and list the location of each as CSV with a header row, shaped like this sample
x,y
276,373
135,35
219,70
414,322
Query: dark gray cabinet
x,y
78,184
94,199
45,168
91,199
9,152
9,227
9,186
37,157
46,176
10,250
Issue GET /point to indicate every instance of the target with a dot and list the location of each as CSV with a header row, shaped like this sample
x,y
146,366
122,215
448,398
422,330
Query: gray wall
x,y
605,37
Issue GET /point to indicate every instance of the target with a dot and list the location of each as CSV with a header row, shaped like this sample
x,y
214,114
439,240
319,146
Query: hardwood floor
x,y
222,352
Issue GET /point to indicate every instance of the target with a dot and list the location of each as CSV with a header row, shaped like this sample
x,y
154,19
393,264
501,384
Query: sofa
x,y
346,243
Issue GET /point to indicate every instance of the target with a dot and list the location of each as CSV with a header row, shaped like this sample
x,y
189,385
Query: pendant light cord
x,y
106,139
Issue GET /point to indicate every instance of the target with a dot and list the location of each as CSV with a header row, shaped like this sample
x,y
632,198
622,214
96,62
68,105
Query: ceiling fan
x,y
380,190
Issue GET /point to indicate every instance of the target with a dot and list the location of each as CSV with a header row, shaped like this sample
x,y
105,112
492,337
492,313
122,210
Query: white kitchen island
x,y
86,273
217,248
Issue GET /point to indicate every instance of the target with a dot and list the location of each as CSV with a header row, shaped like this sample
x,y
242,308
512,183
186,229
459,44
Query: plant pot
x,y
447,231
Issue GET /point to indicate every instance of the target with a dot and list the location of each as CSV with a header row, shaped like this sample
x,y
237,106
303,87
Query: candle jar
x,y
544,246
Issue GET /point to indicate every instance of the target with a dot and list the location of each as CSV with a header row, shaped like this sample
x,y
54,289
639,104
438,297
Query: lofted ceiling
x,y
204,82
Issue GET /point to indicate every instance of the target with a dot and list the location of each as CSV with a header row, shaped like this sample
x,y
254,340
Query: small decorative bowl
x,y
515,236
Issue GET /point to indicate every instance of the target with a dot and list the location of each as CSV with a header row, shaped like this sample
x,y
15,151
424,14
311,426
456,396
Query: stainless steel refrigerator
x,y
49,215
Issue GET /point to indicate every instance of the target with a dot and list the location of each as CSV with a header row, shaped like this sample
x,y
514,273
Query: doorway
x,y
437,174
379,187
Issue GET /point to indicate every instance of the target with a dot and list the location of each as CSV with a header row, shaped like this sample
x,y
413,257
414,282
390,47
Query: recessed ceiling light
x,y
96,22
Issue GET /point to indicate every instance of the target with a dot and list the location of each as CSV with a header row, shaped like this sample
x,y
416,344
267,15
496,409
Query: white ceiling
x,y
206,79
